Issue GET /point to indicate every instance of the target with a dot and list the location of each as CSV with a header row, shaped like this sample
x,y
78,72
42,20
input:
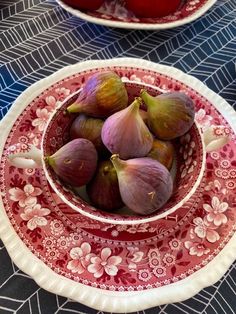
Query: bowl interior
x,y
185,171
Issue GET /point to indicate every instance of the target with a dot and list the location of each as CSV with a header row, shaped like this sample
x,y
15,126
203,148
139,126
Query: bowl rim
x,y
123,220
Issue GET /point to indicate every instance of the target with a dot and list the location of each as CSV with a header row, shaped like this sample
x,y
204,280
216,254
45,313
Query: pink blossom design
x,y
154,253
202,118
80,258
138,228
159,271
175,244
215,186
25,197
154,262
196,248
203,230
35,216
230,184
49,242
148,79
232,173
216,211
62,92
168,259
105,262
144,275
215,155
63,242
225,163
52,253
57,227
41,122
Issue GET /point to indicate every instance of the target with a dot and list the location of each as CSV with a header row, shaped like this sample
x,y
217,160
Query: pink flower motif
x,y
154,262
216,211
196,248
144,275
57,227
175,244
62,92
41,122
232,173
138,228
215,155
202,118
168,259
154,253
203,230
80,258
52,253
135,78
148,79
225,163
35,216
230,184
49,242
105,262
25,197
159,271
63,242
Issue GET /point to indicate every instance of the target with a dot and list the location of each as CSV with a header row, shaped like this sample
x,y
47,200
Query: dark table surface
x,y
205,49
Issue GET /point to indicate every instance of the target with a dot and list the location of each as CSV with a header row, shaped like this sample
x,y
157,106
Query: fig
x,y
145,184
103,94
126,134
90,129
75,162
162,151
103,189
170,115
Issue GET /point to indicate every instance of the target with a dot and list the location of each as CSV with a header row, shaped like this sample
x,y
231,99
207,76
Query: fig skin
x,y
103,189
89,128
162,151
103,94
170,115
145,184
75,162
126,134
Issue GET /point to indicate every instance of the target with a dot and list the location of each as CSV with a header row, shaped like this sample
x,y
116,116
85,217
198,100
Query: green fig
x,y
162,151
75,162
170,115
103,189
103,94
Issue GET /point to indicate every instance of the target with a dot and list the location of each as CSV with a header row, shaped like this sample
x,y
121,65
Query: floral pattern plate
x,y
111,267
113,13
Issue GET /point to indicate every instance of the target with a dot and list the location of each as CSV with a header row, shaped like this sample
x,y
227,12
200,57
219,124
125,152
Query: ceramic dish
x,y
108,267
113,14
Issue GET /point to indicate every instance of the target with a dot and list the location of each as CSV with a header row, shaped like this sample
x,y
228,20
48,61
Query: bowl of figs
x,y
121,152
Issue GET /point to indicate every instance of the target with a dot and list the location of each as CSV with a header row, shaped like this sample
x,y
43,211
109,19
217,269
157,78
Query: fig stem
x,y
117,162
148,99
136,104
73,108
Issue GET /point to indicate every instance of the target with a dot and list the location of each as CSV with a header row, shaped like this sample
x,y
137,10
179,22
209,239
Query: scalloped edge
x,y
133,25
103,300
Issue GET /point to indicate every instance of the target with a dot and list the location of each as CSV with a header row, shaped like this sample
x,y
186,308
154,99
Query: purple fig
x,y
126,134
90,129
162,151
75,162
103,94
103,189
145,184
170,115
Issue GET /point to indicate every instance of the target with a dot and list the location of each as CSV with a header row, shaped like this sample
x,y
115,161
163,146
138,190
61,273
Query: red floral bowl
x,y
187,170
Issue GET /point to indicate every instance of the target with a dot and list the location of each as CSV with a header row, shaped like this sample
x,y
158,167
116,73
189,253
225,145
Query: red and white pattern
x,y
121,258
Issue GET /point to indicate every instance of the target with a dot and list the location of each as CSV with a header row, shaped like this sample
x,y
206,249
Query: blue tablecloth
x,y
37,37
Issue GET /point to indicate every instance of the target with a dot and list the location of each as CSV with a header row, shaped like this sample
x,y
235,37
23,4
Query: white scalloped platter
x,y
117,268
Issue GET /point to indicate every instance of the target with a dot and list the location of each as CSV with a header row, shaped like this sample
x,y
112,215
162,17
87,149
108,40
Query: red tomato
x,y
84,4
152,8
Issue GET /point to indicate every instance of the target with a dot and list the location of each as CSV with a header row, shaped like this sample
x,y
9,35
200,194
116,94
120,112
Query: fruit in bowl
x,y
140,147
90,5
152,8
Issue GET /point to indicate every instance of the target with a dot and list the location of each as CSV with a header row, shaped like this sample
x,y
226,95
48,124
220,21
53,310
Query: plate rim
x,y
104,300
134,25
